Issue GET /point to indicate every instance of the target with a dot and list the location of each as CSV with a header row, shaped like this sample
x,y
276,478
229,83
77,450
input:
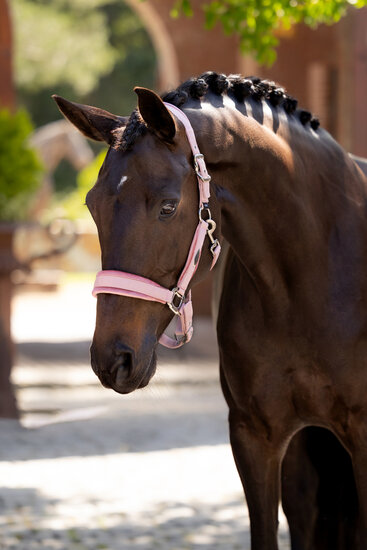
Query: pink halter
x,y
127,284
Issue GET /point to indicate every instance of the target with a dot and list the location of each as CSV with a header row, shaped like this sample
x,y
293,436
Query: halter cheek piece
x,y
127,284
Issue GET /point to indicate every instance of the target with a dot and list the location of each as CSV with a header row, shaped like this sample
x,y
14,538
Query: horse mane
x,y
234,85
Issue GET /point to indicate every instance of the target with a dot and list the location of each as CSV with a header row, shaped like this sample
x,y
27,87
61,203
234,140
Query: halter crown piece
x,y
134,286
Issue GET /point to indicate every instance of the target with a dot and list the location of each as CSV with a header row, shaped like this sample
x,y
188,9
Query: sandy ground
x,y
90,469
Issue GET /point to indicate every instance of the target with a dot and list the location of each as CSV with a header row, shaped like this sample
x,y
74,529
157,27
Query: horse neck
x,y
273,219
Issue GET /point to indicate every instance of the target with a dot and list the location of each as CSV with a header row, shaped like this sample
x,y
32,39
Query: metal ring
x,y
209,213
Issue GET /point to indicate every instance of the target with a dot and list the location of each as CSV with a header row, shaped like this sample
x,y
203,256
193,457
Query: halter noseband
x,y
127,284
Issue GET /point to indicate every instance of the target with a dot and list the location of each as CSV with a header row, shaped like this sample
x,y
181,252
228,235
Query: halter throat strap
x,y
177,299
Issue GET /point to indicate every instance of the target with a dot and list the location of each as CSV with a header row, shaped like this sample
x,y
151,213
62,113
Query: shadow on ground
x,y
151,425
168,525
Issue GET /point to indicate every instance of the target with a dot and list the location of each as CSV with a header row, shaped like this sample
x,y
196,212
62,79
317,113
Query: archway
x,y
167,64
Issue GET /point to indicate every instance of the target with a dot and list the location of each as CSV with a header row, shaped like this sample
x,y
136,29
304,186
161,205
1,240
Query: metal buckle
x,y
173,307
196,165
197,168
181,339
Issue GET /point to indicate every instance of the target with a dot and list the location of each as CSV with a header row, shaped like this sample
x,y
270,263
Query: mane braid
x,y
240,88
235,85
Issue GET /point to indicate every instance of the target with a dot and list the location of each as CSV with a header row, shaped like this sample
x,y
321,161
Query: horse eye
x,y
168,208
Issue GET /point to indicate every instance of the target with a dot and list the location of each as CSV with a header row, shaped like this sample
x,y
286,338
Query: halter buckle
x,y
181,339
181,297
197,168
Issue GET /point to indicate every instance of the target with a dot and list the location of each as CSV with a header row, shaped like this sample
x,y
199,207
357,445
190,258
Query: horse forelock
x,y
126,136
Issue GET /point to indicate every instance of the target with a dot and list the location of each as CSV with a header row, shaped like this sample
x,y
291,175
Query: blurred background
x,y
82,467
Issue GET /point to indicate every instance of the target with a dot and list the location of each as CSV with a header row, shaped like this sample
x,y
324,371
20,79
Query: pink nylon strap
x,y
200,166
193,257
183,327
134,286
126,284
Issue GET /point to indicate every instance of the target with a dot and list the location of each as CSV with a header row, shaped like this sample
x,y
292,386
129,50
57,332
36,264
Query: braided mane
x,y
234,86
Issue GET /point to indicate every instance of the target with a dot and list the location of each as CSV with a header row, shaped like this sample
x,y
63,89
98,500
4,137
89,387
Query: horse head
x,y
145,206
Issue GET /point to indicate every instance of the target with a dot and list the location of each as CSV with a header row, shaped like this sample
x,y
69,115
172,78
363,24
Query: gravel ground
x,y
87,468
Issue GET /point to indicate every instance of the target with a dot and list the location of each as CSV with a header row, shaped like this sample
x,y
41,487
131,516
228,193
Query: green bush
x,y
20,167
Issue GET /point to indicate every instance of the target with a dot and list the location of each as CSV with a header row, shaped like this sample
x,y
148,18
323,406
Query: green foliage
x,y
20,168
77,50
61,42
257,21
73,206
133,58
183,6
136,64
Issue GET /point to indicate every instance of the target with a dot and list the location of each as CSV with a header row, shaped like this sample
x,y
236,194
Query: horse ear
x,y
93,122
155,114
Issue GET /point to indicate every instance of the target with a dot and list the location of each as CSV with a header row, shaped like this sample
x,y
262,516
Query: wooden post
x,y
8,263
8,408
7,96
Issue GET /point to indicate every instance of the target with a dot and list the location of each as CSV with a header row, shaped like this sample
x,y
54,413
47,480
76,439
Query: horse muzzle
x,y
122,369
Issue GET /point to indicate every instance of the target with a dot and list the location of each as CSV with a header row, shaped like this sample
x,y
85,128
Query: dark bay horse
x,y
290,293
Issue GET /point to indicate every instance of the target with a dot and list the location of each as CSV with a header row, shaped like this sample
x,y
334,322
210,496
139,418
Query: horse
x,y
54,142
290,290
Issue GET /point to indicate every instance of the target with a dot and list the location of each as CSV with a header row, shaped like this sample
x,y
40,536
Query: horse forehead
x,y
157,163
123,180
149,163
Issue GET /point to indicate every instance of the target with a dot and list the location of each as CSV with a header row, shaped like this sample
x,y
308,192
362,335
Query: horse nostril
x,y
122,374
122,367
